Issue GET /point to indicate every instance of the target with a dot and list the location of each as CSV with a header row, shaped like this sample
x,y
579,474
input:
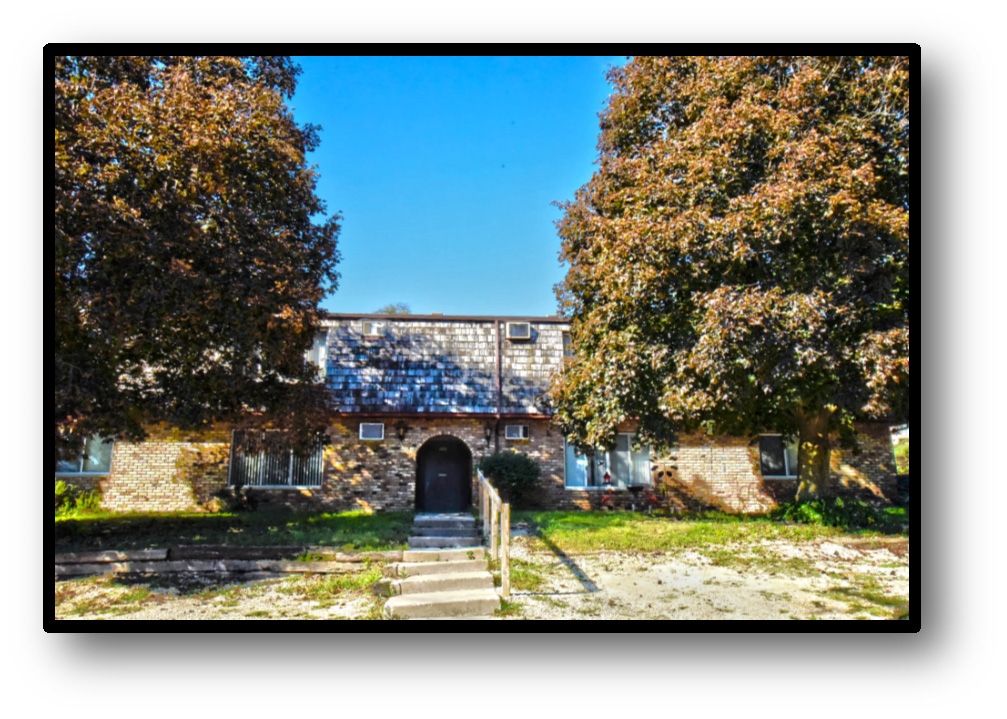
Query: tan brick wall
x,y
176,471
724,472
164,476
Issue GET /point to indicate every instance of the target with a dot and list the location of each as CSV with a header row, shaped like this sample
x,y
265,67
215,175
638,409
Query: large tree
x,y
740,259
191,248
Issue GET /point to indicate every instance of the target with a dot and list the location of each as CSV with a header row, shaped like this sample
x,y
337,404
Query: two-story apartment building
x,y
418,401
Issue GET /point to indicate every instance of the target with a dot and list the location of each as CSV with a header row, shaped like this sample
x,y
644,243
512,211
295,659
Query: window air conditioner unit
x,y
519,330
516,431
372,430
373,329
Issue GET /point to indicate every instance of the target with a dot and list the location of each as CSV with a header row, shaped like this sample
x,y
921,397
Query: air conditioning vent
x,y
373,329
519,330
516,431
372,430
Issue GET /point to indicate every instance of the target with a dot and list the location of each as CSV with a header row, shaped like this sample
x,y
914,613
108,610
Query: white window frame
x,y
523,432
83,456
790,472
605,465
318,354
360,431
518,338
567,344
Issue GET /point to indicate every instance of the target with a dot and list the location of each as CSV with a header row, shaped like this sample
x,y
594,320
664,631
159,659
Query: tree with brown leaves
x,y
740,259
189,262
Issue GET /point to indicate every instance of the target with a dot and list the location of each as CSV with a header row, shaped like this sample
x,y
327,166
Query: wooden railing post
x,y
496,524
486,509
494,519
505,551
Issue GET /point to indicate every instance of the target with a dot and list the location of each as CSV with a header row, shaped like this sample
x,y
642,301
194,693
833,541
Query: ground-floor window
x,y
625,466
777,456
268,459
900,448
95,458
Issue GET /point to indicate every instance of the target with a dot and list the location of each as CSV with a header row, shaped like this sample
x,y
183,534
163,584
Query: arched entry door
x,y
443,476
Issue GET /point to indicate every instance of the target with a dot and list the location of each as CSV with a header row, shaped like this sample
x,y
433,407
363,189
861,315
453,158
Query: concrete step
x,y
460,521
471,602
454,619
430,583
443,555
401,570
443,542
472,532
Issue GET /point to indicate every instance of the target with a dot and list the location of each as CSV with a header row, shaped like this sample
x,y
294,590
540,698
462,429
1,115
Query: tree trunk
x,y
813,454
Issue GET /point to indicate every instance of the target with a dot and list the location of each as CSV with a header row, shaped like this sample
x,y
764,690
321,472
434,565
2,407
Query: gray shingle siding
x,y
430,366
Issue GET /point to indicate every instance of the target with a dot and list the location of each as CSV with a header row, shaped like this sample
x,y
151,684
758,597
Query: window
x,y
519,330
96,458
516,431
626,466
900,448
372,430
567,345
268,459
777,458
317,355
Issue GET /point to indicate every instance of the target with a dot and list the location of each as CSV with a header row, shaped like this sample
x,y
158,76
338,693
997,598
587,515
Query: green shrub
x,y
831,512
514,474
901,450
237,498
71,499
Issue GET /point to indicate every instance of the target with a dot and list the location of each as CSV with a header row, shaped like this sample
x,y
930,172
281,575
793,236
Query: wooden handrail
x,y
496,523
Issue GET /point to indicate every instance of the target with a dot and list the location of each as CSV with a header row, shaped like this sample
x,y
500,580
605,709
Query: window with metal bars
x,y
262,458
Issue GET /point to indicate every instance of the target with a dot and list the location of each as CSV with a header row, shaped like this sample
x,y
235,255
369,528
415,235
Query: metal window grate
x,y
267,459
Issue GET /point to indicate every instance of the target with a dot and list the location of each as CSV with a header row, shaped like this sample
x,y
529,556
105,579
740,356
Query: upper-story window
x,y
567,345
519,331
95,458
372,329
317,356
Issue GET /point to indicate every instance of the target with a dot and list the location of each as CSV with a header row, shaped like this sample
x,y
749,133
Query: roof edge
x,y
548,319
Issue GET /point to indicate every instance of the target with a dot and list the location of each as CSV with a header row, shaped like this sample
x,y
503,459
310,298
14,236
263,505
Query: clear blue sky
x,y
444,170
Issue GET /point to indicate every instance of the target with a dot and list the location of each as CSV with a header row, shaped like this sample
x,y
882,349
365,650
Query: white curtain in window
x,y
576,468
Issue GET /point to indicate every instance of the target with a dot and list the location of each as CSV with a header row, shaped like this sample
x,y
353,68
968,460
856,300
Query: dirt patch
x,y
191,596
846,578
767,580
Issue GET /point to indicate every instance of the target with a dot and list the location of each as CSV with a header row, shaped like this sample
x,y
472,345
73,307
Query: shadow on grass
x,y
346,530
186,584
585,581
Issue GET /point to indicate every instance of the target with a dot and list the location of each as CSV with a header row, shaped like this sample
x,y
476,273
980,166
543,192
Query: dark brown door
x,y
443,476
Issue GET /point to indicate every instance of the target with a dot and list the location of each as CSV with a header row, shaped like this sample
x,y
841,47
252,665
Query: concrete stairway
x,y
444,574
445,531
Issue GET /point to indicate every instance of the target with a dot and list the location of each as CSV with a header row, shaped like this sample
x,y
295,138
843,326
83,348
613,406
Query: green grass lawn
x,y
631,531
344,530
572,531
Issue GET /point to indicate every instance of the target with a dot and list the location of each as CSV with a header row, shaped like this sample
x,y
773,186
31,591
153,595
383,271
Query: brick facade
x,y
724,472
441,376
178,474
